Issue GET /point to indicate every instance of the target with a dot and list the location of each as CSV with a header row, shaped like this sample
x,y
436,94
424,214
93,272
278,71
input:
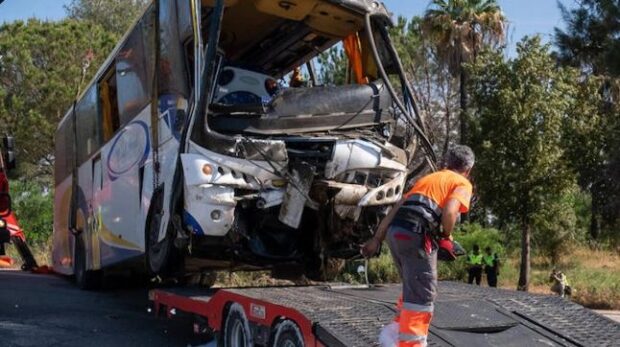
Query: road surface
x,y
615,315
44,310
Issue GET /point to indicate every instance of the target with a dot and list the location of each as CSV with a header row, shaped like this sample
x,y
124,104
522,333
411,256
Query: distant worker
x,y
417,226
474,260
297,79
491,266
560,283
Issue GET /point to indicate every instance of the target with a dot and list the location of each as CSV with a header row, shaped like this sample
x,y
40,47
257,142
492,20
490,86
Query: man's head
x,y
476,249
460,159
487,250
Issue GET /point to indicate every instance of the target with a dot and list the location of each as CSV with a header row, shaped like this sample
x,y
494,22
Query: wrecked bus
x,y
198,147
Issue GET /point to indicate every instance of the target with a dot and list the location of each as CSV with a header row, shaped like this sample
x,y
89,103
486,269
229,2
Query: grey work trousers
x,y
417,268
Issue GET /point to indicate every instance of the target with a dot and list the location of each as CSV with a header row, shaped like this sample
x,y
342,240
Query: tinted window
x,y
172,73
132,71
88,129
64,151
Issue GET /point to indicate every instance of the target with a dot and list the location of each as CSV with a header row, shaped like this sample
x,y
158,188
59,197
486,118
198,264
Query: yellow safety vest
x,y
475,259
489,260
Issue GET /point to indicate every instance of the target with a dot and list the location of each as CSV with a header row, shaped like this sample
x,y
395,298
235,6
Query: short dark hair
x,y
476,248
459,158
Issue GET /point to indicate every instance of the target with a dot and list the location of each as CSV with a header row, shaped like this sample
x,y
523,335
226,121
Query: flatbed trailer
x,y
327,315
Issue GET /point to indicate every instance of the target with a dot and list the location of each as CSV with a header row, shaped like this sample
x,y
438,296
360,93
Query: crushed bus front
x,y
279,172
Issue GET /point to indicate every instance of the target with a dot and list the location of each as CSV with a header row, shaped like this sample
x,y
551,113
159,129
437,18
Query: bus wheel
x,y
85,279
237,328
157,253
287,334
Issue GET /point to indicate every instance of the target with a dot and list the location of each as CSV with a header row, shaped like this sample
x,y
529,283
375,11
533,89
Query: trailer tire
x,y
237,331
287,334
85,279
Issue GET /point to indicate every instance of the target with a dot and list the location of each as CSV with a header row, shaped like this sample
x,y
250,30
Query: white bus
x,y
190,152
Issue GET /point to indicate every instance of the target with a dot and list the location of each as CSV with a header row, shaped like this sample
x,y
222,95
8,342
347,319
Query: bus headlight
x,y
207,169
2,224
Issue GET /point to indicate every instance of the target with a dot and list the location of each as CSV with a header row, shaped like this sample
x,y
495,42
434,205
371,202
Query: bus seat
x,y
330,99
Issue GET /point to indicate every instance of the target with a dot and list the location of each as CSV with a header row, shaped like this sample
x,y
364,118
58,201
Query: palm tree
x,y
459,29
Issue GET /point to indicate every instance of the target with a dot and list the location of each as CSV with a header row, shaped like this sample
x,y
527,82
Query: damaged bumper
x,y
347,174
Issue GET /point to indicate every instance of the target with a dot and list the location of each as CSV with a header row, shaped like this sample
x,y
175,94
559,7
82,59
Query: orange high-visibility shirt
x,y
442,186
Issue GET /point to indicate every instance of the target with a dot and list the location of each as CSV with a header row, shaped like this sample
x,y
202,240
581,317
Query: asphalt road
x,y
46,310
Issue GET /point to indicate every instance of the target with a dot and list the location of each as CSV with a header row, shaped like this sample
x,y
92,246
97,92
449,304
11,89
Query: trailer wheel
x,y
287,334
237,328
85,279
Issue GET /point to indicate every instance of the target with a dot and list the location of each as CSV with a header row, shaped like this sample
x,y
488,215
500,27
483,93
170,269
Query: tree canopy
x,y
41,73
520,106
114,16
459,29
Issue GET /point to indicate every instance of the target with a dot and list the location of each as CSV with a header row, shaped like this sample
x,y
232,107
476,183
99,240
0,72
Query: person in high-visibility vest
x,y
416,228
491,266
474,260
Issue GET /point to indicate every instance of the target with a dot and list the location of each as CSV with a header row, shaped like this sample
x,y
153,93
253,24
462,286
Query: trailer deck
x,y
465,315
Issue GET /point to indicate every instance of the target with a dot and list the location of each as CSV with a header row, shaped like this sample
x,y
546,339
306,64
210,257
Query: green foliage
x,y
590,40
32,204
114,16
334,64
468,235
520,107
40,75
460,29
590,43
560,224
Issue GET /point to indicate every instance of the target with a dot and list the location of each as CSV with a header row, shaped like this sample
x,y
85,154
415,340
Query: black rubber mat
x,y
471,316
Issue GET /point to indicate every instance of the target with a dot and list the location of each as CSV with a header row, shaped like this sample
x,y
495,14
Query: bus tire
x,y
158,254
85,279
287,334
236,330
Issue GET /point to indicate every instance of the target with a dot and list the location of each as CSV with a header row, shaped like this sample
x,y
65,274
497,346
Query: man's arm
x,y
371,246
449,216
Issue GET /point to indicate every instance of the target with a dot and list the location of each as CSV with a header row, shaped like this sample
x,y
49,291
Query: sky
x,y
526,17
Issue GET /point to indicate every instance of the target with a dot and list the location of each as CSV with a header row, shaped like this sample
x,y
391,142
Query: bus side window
x,y
63,151
88,128
132,76
109,105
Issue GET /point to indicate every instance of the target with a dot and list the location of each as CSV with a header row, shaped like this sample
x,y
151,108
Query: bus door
x,y
88,142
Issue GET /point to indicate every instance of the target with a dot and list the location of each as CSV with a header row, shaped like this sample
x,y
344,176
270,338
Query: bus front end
x,y
282,169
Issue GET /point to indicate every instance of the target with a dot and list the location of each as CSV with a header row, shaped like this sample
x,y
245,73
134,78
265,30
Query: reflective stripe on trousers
x,y
414,323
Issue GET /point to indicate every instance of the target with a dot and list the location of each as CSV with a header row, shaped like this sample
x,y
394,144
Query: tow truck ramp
x,y
347,316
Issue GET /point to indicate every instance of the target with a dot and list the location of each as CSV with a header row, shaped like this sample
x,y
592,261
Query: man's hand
x,y
370,248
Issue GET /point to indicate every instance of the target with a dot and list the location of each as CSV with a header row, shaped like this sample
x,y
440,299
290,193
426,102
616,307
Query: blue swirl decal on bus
x,y
129,150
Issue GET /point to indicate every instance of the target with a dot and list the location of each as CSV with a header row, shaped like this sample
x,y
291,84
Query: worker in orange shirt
x,y
417,227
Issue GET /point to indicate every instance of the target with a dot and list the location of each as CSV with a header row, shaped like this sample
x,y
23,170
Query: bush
x,y
468,235
561,223
382,269
32,204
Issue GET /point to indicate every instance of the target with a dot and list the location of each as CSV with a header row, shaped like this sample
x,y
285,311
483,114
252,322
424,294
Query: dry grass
x,y
42,253
594,276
